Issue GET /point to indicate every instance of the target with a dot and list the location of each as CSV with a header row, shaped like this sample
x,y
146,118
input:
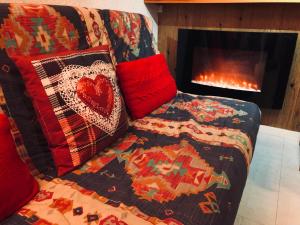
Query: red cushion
x,y
17,184
77,101
146,84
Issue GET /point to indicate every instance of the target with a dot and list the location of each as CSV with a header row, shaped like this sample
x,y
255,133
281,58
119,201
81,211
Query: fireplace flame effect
x,y
224,80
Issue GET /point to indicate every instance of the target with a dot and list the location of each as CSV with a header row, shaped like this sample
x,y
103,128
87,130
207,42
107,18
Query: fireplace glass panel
x,y
232,69
251,66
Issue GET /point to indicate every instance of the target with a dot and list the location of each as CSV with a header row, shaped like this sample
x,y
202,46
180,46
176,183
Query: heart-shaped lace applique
x,y
92,93
98,94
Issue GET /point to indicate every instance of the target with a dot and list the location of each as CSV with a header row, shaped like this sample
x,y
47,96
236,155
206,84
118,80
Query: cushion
x,y
77,101
17,184
29,29
130,35
146,84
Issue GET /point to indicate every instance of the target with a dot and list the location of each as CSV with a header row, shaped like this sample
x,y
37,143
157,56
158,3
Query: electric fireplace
x,y
252,66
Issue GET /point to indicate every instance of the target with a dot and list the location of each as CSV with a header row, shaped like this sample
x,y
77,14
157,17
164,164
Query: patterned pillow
x,y
77,101
29,29
130,35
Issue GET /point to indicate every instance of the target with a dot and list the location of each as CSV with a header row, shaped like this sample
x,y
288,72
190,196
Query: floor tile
x,y
272,192
246,221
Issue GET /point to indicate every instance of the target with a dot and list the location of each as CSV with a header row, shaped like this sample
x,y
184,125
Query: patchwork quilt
x,y
186,163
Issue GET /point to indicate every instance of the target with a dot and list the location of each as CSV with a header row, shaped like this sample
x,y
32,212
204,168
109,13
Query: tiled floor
x,y
272,192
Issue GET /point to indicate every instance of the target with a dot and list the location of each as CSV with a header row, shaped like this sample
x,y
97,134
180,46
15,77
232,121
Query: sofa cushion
x,y
146,84
17,184
185,163
130,35
30,30
77,101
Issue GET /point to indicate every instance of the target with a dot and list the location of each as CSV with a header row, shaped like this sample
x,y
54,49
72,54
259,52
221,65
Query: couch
x,y
185,163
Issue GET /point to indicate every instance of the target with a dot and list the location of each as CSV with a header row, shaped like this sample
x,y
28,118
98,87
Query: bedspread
x,y
186,163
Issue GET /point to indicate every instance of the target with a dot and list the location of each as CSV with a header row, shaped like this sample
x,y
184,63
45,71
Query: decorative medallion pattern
x,y
165,173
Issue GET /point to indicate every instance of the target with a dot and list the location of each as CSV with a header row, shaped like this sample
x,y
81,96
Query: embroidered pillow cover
x,y
77,102
29,29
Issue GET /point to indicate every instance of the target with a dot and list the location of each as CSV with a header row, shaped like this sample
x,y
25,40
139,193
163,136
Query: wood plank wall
x,y
266,17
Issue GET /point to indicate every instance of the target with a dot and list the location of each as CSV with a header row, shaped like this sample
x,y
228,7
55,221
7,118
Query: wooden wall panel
x,y
262,17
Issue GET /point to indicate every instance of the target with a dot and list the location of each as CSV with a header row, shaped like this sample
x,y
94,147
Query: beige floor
x,y
272,192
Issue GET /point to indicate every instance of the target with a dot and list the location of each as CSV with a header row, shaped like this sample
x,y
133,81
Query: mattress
x,y
185,163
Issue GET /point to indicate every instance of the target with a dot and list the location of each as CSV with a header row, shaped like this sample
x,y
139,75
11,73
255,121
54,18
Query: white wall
x,y
137,6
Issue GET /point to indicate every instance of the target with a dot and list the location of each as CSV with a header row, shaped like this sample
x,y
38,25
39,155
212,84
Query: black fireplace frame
x,y
279,46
